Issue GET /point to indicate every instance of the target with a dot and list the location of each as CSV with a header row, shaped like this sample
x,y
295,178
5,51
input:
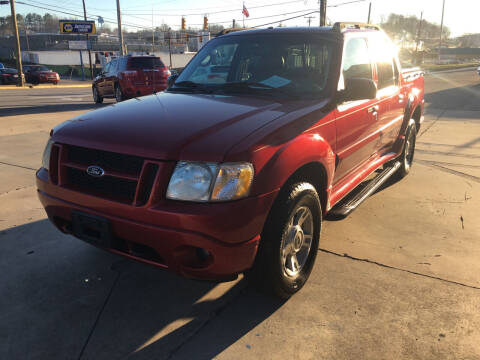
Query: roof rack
x,y
340,26
230,30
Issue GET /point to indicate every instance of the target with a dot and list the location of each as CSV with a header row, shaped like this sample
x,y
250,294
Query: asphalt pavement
x,y
397,279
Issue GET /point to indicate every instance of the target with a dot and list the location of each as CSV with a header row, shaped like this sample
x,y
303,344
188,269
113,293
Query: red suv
x,y
233,168
36,74
130,76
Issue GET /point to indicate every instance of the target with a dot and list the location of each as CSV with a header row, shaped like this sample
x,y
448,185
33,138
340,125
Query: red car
x,y
233,168
130,76
9,76
37,74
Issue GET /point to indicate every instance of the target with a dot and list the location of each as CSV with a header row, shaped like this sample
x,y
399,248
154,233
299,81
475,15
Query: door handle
x,y
373,109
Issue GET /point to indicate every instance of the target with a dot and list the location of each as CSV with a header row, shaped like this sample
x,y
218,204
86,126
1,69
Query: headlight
x,y
210,182
46,154
191,181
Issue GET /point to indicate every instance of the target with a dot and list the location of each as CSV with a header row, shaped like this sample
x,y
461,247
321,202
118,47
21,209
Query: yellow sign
x,y
77,27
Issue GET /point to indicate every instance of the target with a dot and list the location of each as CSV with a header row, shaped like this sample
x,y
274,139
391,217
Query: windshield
x,y
8,71
36,68
288,64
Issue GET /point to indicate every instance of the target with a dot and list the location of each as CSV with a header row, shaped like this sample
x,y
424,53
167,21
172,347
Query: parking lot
x,y
398,278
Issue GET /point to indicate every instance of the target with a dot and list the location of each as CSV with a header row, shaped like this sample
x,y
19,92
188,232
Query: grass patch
x,y
442,67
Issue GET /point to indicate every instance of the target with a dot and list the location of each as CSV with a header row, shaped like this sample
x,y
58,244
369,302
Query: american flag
x,y
245,11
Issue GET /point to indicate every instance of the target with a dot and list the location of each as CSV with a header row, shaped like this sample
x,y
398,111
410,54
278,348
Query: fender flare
x,y
290,157
412,104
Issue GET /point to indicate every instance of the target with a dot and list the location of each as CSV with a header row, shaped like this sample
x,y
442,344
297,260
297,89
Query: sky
x,y
461,16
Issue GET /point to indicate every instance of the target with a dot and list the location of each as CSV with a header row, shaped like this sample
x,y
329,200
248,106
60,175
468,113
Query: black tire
x,y
270,272
408,152
96,98
118,93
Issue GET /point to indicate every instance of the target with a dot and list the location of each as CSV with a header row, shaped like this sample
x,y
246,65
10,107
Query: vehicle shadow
x,y
49,108
456,98
67,299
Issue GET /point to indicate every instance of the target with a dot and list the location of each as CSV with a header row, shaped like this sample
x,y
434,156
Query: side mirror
x,y
171,79
359,89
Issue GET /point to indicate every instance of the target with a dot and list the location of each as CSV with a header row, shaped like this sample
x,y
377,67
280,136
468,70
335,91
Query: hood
x,y
173,126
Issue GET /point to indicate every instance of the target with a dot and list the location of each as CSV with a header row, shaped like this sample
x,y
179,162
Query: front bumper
x,y
170,236
47,80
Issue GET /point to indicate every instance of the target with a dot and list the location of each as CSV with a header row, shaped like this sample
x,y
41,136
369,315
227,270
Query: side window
x,y
356,60
113,66
385,73
382,52
122,64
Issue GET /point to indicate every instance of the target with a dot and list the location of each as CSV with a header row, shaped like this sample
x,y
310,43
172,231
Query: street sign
x,y
77,27
78,45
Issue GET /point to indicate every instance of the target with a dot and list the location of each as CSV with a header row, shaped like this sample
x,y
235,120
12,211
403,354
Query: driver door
x,y
357,140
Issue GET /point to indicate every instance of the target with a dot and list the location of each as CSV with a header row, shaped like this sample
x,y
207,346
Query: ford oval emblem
x,y
95,171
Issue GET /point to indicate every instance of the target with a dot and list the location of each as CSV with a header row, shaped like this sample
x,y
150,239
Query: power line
x,y
90,16
111,20
260,17
220,11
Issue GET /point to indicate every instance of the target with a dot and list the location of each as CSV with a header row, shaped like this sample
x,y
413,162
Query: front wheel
x,y
96,97
289,242
118,93
406,158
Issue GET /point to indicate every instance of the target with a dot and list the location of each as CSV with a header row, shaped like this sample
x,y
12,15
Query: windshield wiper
x,y
189,86
248,86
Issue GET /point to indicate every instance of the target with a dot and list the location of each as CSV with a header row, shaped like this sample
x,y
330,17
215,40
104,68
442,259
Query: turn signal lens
x,y
233,181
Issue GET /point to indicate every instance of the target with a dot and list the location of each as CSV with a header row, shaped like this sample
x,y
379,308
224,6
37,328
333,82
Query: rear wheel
x,y
118,93
406,158
289,242
97,98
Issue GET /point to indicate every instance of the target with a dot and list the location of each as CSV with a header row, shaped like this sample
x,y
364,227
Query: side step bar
x,y
344,208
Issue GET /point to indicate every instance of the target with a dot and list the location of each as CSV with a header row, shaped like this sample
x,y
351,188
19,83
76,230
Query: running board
x,y
342,209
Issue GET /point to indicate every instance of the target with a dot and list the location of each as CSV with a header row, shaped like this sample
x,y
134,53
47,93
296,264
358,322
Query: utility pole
x,y
17,42
120,33
441,33
88,43
323,12
309,19
170,47
369,12
419,32
153,35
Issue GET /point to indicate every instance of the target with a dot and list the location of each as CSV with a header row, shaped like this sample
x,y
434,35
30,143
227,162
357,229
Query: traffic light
x,y
205,23
183,23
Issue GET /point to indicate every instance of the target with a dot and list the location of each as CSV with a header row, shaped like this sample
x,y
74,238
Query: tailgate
x,y
148,77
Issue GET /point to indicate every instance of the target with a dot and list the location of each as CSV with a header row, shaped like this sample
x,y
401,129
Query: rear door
x,y
390,94
100,82
356,121
110,78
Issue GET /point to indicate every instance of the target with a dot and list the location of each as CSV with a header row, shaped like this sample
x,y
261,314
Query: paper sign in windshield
x,y
275,81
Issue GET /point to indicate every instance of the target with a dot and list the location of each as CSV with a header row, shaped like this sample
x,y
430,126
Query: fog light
x,y
203,254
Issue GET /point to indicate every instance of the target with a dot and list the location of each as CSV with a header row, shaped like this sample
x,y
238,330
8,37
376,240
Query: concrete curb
x,y
45,87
